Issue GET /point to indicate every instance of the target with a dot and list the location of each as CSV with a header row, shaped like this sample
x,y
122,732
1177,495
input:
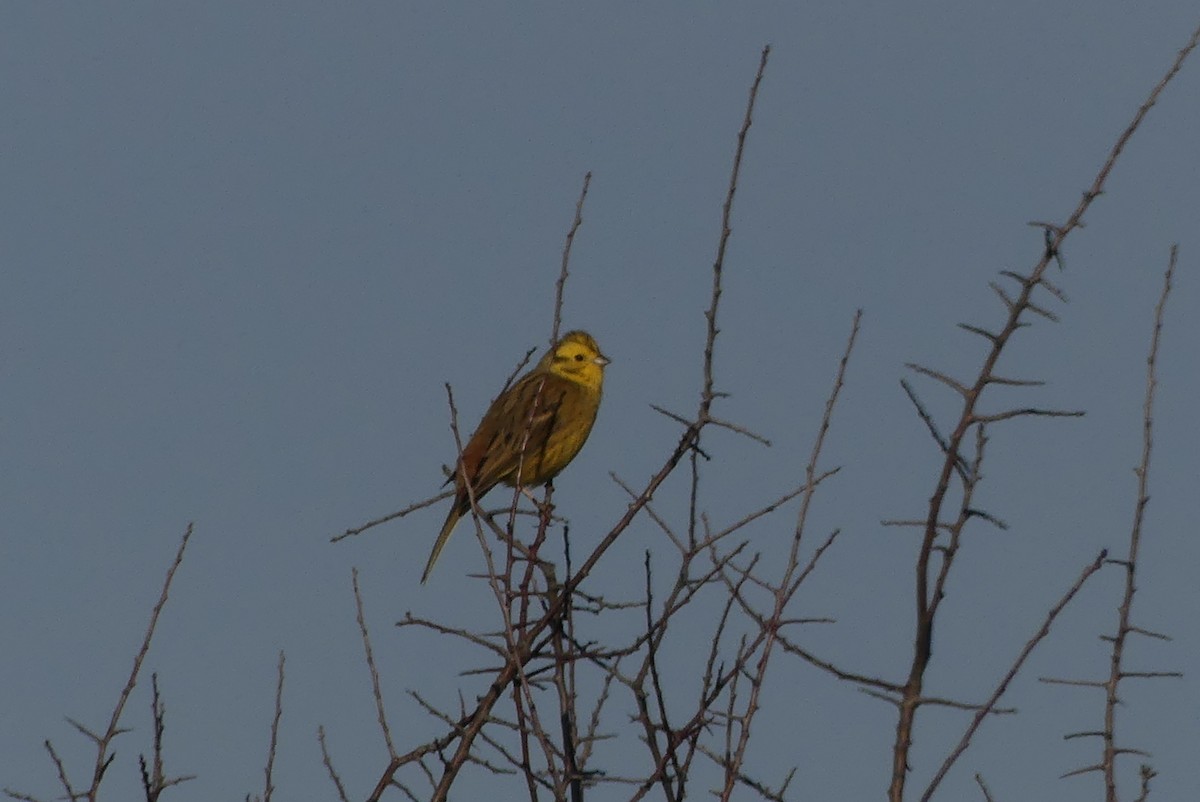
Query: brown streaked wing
x,y
495,449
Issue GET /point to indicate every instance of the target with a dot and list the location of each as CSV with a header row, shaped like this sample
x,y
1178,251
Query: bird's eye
x,y
579,357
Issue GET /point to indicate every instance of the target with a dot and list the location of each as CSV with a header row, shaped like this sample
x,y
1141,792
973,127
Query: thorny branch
x,y
1125,627
526,643
929,598
538,648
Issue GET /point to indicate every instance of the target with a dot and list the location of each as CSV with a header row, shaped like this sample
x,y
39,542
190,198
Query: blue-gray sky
x,y
244,245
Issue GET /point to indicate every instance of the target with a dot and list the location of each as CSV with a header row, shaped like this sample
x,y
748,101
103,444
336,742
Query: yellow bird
x,y
532,430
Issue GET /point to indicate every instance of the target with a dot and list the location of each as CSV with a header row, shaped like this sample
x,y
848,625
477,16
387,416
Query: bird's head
x,y
577,357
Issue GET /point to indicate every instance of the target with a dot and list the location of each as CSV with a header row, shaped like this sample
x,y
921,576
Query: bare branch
x,y
1027,412
984,333
710,315
1015,382
927,419
376,690
269,785
956,386
566,257
333,775
1124,612
103,742
1030,645
987,794
927,601
1009,304
733,427
1083,683
154,779
1147,774
391,516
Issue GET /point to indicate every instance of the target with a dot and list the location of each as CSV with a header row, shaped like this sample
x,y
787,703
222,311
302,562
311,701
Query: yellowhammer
x,y
532,430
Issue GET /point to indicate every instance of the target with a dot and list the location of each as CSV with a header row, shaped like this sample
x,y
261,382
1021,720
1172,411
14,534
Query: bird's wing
x,y
514,432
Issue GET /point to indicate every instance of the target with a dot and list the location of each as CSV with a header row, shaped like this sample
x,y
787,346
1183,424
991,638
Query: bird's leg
x,y
546,507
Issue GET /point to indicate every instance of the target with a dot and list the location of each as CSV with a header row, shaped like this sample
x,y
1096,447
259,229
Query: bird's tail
x,y
456,512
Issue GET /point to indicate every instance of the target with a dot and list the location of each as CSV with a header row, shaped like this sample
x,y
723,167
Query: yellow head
x,y
577,358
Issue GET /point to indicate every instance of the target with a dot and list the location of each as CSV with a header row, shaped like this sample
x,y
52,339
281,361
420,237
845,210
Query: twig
x,y
1030,645
154,781
1117,672
566,258
789,583
376,691
469,726
391,516
927,603
810,469
269,785
333,775
710,315
103,759
987,794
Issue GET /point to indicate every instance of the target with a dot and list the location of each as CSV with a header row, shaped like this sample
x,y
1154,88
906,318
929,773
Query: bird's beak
x,y
602,360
